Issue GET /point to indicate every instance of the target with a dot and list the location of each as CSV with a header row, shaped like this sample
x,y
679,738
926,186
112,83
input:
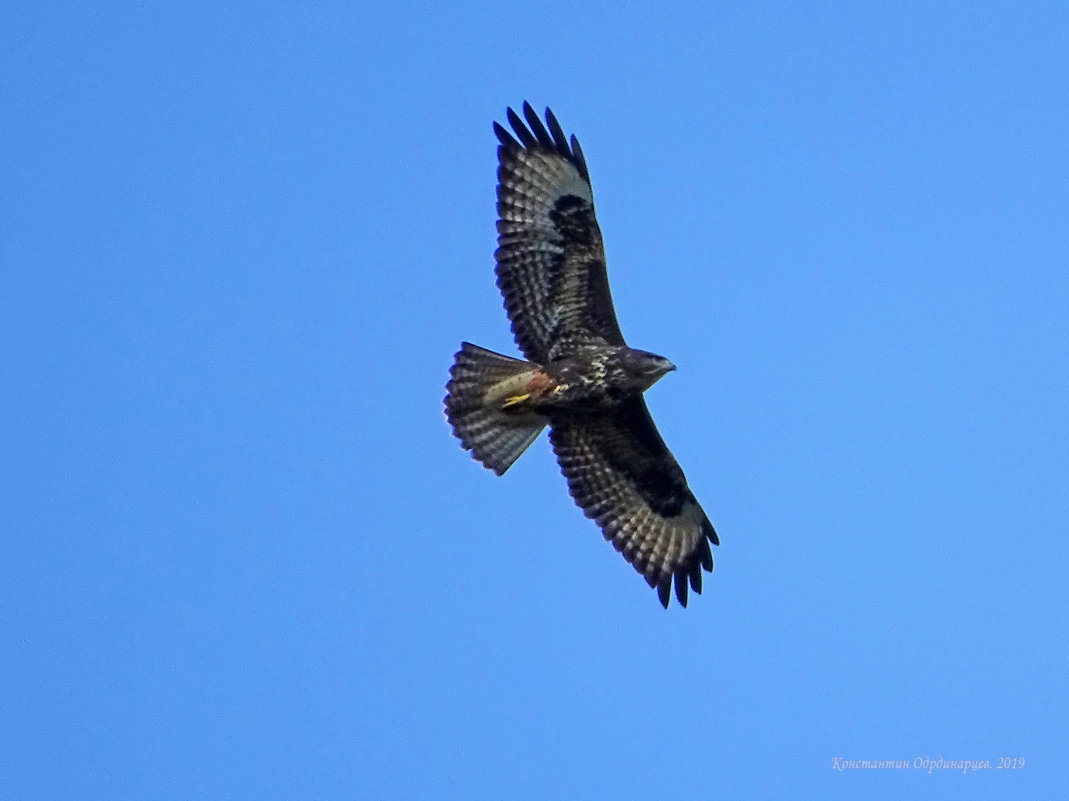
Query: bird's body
x,y
589,381
580,377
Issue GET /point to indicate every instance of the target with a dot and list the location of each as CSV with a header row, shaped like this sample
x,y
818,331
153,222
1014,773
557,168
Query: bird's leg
x,y
537,386
514,399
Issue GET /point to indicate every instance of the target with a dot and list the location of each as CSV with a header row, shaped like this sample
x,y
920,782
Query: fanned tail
x,y
480,380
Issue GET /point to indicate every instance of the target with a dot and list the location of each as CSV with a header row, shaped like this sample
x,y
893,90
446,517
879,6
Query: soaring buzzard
x,y
581,379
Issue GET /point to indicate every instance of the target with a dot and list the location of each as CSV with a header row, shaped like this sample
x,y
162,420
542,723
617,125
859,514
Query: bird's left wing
x,y
550,257
623,476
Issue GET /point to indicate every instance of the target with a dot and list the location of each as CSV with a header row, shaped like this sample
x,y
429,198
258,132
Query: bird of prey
x,y
580,378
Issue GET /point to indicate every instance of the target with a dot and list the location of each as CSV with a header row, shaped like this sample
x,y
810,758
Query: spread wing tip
x,y
532,133
688,576
688,573
711,536
504,137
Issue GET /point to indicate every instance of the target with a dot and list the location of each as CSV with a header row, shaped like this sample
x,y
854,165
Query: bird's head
x,y
649,368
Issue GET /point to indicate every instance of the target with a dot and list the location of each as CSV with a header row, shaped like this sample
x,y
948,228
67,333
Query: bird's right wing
x,y
623,476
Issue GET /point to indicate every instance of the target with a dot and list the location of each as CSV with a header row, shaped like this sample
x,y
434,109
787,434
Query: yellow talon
x,y
512,401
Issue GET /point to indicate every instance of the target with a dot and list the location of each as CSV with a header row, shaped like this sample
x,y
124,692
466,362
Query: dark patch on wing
x,y
643,457
574,220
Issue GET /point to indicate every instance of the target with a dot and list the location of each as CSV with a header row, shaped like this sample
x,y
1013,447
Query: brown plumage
x,y
580,378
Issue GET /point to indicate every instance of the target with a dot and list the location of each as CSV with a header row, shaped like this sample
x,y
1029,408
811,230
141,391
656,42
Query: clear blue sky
x,y
244,558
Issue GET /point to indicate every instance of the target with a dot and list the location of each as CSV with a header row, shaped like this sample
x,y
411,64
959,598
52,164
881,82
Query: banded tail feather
x,y
480,382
